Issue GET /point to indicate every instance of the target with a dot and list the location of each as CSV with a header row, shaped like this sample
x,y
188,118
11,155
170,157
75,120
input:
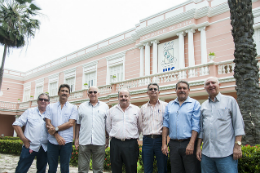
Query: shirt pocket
x,y
34,122
223,114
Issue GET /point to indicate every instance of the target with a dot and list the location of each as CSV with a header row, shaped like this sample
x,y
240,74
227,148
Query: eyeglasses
x,y
150,89
46,100
90,92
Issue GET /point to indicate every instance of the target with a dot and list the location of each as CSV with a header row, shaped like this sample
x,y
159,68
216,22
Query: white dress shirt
x,y
92,120
123,125
60,116
35,129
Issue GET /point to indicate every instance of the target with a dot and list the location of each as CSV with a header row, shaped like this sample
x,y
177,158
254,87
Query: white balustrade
x,y
76,95
7,105
226,68
34,103
106,89
24,105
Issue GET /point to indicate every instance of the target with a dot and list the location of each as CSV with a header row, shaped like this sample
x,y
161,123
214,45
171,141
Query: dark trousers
x,y
180,162
150,148
124,152
54,151
26,160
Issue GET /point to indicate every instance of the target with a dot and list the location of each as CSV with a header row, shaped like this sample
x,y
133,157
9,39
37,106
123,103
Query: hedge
x,y
249,163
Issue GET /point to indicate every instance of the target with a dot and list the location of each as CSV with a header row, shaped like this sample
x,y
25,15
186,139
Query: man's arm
x,y
77,127
61,127
164,140
198,151
20,133
237,152
108,122
190,146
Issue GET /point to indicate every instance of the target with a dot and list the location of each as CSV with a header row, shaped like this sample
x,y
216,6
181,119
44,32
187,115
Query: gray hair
x,y
153,84
211,77
123,89
44,94
182,81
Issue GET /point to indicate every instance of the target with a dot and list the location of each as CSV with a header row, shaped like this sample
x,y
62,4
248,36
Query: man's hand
x,y
107,142
76,143
198,153
51,130
165,150
237,152
26,142
190,148
59,139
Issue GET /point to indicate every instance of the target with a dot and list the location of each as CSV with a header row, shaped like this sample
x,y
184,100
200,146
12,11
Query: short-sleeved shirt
x,y
60,116
35,128
92,120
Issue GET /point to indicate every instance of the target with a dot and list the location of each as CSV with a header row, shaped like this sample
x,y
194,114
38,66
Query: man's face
x,y
182,91
212,87
93,94
42,102
153,92
124,98
64,93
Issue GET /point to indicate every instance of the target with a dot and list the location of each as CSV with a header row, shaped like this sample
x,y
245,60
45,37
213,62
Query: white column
x,y
141,61
108,75
15,134
191,47
155,56
181,50
203,45
147,59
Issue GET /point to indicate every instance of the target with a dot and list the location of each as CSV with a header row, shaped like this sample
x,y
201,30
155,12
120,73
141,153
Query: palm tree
x,y
246,69
17,26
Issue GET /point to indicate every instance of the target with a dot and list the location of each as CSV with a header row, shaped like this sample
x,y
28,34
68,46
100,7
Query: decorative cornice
x,y
89,64
70,70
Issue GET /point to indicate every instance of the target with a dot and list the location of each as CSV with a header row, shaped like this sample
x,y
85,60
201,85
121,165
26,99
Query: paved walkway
x,y
9,162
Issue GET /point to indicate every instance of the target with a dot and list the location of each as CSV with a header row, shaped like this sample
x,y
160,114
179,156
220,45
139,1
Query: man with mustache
x,y
92,138
182,122
222,128
152,124
34,137
60,118
123,127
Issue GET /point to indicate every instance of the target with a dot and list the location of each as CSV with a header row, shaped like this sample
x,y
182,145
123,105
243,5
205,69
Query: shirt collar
x,y
158,102
91,104
64,104
188,100
119,107
217,98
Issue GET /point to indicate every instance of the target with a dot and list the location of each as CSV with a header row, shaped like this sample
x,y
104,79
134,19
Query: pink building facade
x,y
166,47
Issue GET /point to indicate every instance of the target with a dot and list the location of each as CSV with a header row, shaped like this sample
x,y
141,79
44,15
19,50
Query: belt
x,y
153,136
123,139
180,140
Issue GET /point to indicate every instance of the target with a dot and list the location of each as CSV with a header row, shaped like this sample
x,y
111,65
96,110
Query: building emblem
x,y
169,61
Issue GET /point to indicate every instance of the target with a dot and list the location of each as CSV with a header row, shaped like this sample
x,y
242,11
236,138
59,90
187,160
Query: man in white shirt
x,y
91,140
123,127
60,118
34,137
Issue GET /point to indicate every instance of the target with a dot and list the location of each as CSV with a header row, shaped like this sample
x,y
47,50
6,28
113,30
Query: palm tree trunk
x,y
246,69
2,66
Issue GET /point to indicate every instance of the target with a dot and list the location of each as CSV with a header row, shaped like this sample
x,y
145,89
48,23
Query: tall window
x,y
39,90
26,95
116,73
90,79
257,40
53,89
71,83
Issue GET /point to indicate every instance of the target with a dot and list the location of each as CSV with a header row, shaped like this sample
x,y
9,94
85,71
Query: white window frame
x,y
90,67
256,37
53,78
38,83
114,60
70,73
26,87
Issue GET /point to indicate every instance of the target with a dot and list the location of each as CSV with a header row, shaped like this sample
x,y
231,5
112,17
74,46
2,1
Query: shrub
x,y
9,138
11,146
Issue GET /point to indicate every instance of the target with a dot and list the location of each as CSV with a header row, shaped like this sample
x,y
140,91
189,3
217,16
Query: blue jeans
x,y
26,160
54,151
150,148
218,165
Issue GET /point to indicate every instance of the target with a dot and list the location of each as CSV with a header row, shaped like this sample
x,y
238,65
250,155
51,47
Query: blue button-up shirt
x,y
181,120
35,129
60,116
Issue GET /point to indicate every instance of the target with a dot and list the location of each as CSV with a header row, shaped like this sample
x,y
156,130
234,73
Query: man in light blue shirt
x,y
60,118
182,123
34,137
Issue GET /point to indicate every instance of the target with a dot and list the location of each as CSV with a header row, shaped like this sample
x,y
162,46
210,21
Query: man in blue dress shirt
x,y
34,137
182,123
60,118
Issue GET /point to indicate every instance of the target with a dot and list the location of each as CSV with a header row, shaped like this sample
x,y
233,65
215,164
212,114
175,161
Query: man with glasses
x,y
34,137
182,120
151,121
92,138
60,119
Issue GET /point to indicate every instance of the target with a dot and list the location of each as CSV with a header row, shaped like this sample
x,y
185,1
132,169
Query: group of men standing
x,y
217,123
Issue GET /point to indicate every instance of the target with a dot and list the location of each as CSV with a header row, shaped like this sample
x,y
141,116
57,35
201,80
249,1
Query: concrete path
x,y
9,162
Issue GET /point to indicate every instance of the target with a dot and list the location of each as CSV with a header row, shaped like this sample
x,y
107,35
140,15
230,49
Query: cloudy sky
x,y
67,26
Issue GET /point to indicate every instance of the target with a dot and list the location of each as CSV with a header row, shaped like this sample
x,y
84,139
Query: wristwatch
x,y
57,129
238,143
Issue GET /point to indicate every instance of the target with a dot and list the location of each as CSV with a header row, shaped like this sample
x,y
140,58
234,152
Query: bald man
x,y
92,139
